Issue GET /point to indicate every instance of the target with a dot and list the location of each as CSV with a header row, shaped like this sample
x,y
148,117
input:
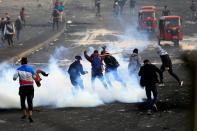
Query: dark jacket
x,y
55,15
18,24
166,61
148,73
96,62
111,62
165,12
2,25
76,69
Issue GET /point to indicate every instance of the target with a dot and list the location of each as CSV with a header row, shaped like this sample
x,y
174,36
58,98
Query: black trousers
x,y
151,89
170,71
26,92
9,39
98,9
55,22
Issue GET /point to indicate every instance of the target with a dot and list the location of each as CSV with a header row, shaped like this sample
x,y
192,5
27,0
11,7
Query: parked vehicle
x,y
147,20
170,29
148,8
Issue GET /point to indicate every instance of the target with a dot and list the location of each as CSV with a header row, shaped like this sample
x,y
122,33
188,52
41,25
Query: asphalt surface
x,y
36,33
175,103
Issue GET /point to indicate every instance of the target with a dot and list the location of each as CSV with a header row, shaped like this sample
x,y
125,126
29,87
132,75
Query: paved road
x,y
89,32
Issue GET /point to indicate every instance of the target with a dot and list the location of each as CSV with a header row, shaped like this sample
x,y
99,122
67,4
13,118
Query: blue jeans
x,y
18,34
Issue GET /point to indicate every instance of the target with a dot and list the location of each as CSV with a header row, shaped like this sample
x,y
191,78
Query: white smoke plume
x,y
56,89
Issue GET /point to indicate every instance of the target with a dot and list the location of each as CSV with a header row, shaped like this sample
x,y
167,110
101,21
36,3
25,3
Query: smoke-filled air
x,y
56,89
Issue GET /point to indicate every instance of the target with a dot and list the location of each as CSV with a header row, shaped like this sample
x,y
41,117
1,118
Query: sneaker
x,y
149,112
24,117
31,120
155,106
181,83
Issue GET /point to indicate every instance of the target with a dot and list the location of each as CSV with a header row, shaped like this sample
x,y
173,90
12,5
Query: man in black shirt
x,y
2,27
167,64
111,69
148,73
166,11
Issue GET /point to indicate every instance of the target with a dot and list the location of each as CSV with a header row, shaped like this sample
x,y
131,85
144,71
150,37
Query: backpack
x,y
111,61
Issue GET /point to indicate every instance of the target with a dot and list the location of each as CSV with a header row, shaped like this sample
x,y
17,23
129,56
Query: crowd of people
x,y
10,29
147,72
102,65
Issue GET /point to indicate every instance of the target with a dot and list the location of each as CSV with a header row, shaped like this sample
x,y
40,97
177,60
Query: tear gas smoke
x,y
56,89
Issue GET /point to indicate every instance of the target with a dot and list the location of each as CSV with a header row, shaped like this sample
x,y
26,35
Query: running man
x,y
26,76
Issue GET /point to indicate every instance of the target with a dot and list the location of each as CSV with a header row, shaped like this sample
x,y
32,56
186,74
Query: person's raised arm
x,y
86,56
